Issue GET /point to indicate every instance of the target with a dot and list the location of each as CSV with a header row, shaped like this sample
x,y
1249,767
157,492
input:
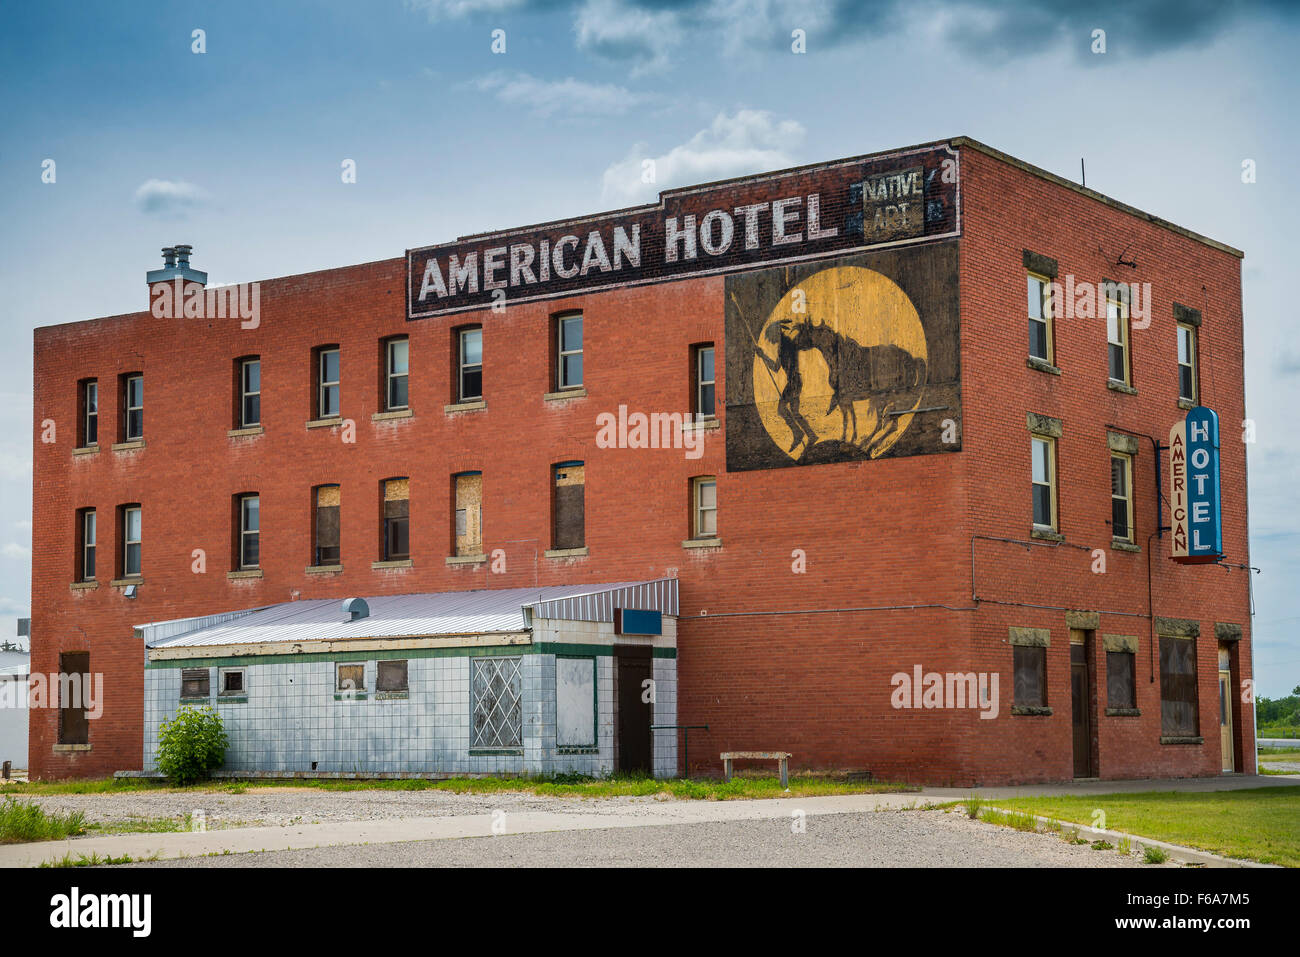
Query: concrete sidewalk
x,y
249,839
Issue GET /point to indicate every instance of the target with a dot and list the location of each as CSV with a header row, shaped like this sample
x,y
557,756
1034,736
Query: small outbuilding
x,y
15,669
557,679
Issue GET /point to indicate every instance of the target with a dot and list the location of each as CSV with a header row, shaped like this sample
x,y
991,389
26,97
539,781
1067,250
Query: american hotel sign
x,y
800,214
1194,493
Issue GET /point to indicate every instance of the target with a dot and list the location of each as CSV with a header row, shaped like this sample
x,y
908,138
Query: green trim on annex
x,y
566,649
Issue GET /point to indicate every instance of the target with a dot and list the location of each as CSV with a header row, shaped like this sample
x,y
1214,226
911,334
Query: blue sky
x,y
238,151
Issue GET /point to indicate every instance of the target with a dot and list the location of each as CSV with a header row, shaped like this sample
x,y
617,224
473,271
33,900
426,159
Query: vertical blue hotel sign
x,y
1194,491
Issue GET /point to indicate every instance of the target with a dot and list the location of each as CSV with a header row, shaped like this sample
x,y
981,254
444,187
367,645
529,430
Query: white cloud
x,y
164,197
748,141
569,95
627,34
454,9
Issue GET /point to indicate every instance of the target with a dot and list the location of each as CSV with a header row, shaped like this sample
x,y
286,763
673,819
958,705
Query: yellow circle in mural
x,y
840,365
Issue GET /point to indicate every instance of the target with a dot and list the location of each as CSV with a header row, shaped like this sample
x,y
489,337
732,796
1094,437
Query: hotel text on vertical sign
x,y
1194,491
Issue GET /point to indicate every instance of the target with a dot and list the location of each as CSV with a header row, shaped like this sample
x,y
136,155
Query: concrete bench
x,y
781,756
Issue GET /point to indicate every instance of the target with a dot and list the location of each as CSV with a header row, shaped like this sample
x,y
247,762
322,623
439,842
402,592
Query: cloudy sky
x,y
238,151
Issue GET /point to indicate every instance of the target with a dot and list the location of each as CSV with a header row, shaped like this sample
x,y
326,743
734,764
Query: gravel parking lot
x,y
868,839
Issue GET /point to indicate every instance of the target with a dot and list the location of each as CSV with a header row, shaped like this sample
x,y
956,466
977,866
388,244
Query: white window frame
x,y
326,384
1127,497
1122,330
128,541
221,682
1192,347
245,393
391,374
89,529
1047,319
463,366
562,381
1050,443
697,485
245,531
129,408
701,382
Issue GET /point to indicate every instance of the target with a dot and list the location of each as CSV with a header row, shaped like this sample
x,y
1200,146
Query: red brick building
x,y
915,470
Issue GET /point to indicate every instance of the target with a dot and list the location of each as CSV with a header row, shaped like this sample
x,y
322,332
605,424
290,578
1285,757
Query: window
x,y
250,393
327,379
231,682
246,548
74,683
1121,497
131,540
1043,451
326,499
569,505
495,703
470,365
397,372
391,676
133,402
704,382
87,530
89,412
569,365
1031,676
705,507
1178,705
195,682
1040,317
1187,362
351,679
1117,338
1121,688
396,543
468,533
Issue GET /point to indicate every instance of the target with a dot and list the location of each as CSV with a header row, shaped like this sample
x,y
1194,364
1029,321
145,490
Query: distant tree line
x,y
1279,711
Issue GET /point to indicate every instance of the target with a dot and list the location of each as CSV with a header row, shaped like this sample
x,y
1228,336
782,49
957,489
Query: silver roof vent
x,y
356,608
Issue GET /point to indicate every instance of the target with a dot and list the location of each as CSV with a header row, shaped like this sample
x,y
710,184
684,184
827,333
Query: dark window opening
x,y
396,544
391,676
1178,701
1030,676
327,500
569,505
74,685
1121,688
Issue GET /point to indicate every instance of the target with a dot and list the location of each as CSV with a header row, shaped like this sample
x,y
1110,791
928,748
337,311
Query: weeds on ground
x,y
25,821
1155,855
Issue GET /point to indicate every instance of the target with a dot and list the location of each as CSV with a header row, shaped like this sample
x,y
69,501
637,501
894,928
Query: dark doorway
x,y
633,709
1081,710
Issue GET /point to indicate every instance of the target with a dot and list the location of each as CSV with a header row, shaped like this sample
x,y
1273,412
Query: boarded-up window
x,y
1178,707
74,683
575,702
351,678
469,513
195,682
327,551
396,544
570,509
1031,676
1121,691
391,677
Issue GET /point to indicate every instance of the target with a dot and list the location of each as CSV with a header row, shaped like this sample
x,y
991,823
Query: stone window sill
x,y
84,586
566,552
578,393
1046,535
130,446
324,569
497,751
244,573
325,423
1176,739
1116,386
702,543
466,559
62,748
204,699
1031,710
703,425
469,405
123,582
86,449
578,750
394,414
354,696
391,695
1041,365
1120,545
1123,713
245,430
399,563
1186,404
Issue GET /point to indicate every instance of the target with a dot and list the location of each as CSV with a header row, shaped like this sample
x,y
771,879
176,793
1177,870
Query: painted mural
x,y
844,360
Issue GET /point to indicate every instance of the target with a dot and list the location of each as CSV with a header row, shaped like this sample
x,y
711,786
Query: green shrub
x,y
191,745
1154,855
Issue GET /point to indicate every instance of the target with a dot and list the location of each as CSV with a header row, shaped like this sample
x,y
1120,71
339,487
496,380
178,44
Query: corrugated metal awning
x,y
430,614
